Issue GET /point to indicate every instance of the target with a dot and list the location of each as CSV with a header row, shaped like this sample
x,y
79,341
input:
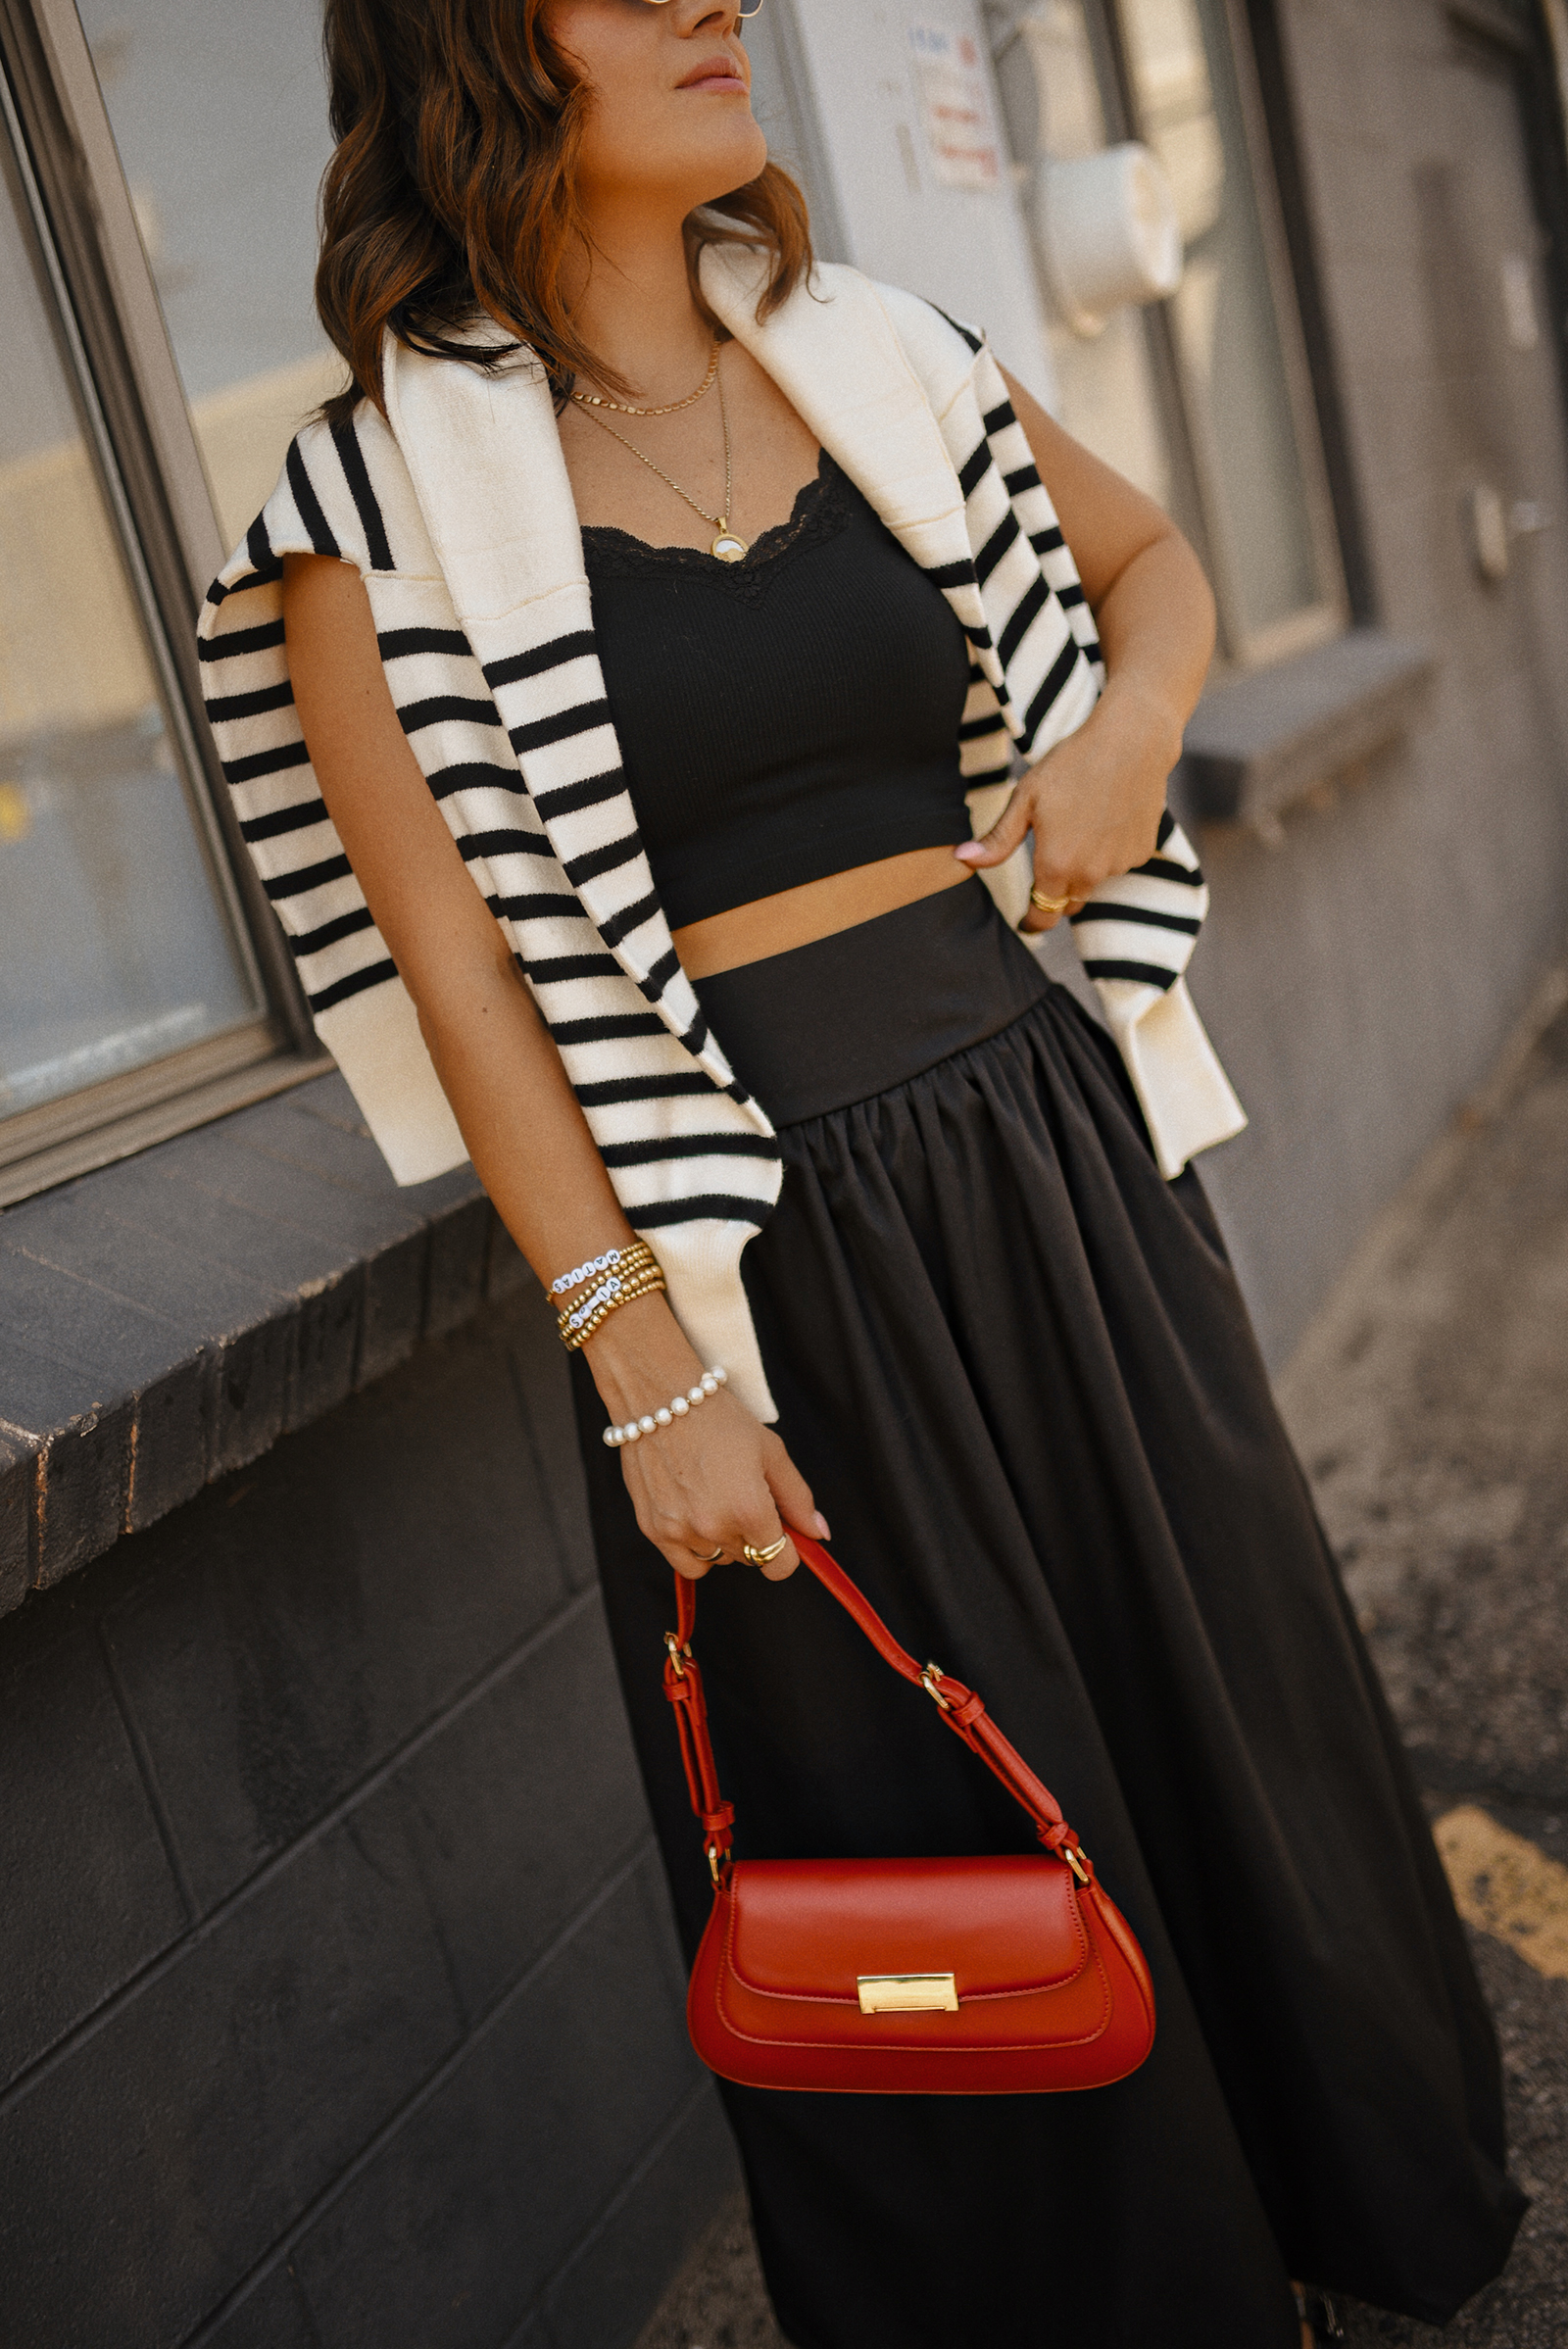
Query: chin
x,y
732,154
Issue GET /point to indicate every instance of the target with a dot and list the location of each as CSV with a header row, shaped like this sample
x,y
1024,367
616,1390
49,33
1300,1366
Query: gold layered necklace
x,y
620,407
728,545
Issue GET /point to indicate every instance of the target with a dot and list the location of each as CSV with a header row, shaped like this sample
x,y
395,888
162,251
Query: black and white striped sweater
x,y
457,511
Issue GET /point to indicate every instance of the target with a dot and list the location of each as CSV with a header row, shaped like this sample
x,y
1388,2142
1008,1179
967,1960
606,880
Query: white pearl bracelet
x,y
667,1413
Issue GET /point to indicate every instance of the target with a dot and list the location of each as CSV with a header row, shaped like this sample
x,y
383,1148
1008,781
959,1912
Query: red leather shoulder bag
x,y
980,1976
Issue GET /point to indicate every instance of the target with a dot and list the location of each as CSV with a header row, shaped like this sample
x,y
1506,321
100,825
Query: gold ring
x,y
1048,905
710,1557
764,1557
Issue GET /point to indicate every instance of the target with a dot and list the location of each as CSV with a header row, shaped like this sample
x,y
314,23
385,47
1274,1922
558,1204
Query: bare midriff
x,y
817,910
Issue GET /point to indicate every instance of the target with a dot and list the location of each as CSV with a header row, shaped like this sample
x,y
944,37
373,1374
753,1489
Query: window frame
x,y
1197,501
140,440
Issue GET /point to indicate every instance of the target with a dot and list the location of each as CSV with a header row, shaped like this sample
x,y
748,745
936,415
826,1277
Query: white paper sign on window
x,y
955,99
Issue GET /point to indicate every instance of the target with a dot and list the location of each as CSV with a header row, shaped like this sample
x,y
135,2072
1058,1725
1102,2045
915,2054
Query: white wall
x,y
838,85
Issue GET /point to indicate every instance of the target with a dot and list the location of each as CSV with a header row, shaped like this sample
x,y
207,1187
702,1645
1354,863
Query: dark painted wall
x,y
339,2004
1360,976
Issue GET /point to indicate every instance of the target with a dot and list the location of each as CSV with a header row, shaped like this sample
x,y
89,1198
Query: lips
x,y
716,74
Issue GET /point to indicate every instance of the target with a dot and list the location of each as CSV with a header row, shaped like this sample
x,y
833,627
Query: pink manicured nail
x,y
824,1531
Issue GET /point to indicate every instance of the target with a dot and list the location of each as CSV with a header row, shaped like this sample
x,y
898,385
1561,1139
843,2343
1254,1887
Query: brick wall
x,y
340,2004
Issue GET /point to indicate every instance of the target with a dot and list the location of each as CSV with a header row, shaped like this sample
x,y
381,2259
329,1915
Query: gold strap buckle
x,y
928,1680
1075,1863
676,1652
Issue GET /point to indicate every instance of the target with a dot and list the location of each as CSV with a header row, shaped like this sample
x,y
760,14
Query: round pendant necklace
x,y
728,545
602,400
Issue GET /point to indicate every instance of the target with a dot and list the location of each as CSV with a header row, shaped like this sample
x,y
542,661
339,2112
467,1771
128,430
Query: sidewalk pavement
x,y
1430,1403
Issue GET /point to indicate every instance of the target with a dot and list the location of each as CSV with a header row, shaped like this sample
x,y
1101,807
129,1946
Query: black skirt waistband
x,y
849,1016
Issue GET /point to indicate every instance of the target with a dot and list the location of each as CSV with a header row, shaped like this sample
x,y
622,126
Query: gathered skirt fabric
x,y
1016,1368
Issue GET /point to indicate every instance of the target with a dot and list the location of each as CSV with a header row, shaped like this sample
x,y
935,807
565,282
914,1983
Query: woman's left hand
x,y
1092,804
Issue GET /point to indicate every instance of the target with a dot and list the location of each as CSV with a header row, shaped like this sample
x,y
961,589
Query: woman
x,y
764,1002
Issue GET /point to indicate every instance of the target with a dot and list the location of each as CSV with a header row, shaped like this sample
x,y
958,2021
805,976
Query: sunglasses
x,y
742,13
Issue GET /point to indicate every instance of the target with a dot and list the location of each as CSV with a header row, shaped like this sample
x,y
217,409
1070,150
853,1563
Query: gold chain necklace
x,y
602,400
728,545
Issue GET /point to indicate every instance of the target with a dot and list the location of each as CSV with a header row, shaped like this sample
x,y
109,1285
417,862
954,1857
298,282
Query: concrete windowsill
x,y
1255,744
165,1319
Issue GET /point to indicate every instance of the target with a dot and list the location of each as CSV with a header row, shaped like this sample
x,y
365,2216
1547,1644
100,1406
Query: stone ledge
x,y
1257,744
169,1317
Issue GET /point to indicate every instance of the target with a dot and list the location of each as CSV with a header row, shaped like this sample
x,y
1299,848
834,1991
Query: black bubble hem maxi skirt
x,y
1015,1365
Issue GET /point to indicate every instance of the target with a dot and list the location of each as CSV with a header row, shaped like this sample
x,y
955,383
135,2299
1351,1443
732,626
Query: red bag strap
x,y
960,1708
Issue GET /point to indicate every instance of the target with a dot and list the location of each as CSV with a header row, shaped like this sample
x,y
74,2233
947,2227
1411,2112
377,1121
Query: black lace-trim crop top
x,y
784,717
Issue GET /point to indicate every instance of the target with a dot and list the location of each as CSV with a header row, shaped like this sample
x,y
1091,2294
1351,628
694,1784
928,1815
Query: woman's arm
x,y
1093,802
717,1476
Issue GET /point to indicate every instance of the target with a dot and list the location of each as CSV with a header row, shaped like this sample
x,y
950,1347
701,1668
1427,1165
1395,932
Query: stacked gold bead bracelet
x,y
620,1288
635,1250
628,1272
667,1413
628,1258
633,1255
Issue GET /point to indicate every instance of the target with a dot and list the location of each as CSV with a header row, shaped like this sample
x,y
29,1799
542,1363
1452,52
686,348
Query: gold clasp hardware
x,y
928,1679
676,1652
908,1993
717,1862
1075,1863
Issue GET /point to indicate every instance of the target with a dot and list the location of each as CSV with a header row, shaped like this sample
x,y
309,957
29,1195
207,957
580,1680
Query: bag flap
x,y
811,1929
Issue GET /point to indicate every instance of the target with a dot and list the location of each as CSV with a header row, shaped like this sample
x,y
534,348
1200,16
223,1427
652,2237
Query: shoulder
x,y
924,328
343,492
944,352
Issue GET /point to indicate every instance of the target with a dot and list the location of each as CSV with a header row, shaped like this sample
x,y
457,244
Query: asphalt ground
x,y
1430,1403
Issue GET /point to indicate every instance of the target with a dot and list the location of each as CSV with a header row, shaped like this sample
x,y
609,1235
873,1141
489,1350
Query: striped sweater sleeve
x,y
250,703
1136,938
513,742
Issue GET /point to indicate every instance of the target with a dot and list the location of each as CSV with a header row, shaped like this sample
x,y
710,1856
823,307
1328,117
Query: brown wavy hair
x,y
453,189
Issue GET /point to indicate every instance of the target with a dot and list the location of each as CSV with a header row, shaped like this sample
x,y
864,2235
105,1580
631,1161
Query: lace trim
x,y
822,509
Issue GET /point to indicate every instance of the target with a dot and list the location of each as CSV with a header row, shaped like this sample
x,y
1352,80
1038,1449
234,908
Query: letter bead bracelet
x,y
667,1413
609,1262
628,1272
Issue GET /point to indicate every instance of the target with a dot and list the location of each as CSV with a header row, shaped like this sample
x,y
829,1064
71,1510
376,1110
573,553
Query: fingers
x,y
1062,892
1051,880
699,1511
1064,898
1062,887
997,846
792,1494
705,1532
769,1533
694,1563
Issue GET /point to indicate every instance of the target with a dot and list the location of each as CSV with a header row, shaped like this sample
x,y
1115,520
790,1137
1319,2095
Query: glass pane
x,y
219,108
1227,332
114,946
1106,395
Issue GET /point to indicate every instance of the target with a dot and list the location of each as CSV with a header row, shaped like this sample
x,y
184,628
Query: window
x,y
143,985
219,118
1204,400
132,1000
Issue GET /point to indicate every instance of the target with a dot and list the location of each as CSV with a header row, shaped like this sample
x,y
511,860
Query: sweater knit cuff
x,y
1185,1095
702,1263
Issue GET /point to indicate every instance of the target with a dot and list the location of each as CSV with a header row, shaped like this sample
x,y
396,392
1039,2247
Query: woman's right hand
x,y
711,1483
